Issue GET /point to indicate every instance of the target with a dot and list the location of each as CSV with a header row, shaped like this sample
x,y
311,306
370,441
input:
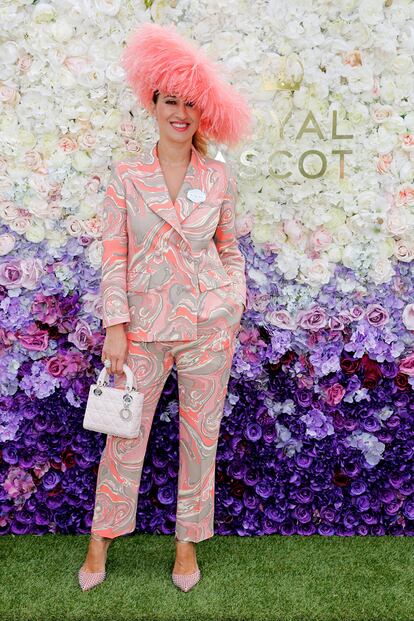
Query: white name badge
x,y
196,196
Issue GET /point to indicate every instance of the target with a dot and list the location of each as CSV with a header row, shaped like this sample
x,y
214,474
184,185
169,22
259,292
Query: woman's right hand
x,y
115,348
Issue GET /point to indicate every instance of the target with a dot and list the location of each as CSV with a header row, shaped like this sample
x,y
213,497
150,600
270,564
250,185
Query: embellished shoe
x,y
185,582
87,579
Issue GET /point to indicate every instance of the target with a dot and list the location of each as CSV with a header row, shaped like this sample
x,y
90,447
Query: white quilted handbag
x,y
115,411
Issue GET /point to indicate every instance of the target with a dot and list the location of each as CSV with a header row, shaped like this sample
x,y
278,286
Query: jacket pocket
x,y
213,278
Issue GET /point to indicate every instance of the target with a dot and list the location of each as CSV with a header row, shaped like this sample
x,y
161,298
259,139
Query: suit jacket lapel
x,y
150,182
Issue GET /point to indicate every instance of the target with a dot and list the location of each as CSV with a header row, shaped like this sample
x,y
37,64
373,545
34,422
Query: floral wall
x,y
317,433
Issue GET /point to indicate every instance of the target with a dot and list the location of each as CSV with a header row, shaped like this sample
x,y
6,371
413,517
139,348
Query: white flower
x,y
7,243
94,254
288,265
404,250
371,12
314,272
408,316
381,113
382,271
36,232
43,13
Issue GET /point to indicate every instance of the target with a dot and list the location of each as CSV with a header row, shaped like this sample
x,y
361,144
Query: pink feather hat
x,y
158,58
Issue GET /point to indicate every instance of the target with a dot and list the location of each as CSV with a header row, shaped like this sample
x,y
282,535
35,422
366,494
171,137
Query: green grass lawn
x,y
270,578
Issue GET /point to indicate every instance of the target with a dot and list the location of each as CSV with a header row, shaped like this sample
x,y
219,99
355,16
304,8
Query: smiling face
x,y
177,119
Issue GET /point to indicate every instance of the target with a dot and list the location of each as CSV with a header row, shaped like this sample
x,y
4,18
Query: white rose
x,y
409,122
81,161
388,89
87,140
56,238
262,232
47,143
36,232
397,221
7,243
73,226
385,248
97,118
406,172
8,211
9,52
295,232
357,113
371,12
403,64
336,217
334,254
315,272
380,113
112,119
360,79
395,124
408,316
20,224
288,265
43,13
61,30
86,210
36,205
404,250
368,201
343,235
108,7
94,253
351,256
382,271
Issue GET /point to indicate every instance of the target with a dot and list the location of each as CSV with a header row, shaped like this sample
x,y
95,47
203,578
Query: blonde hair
x,y
200,143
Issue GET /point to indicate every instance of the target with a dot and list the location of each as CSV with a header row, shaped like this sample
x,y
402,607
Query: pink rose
x,y
243,224
82,336
320,240
376,315
282,319
20,273
312,319
35,339
334,394
407,365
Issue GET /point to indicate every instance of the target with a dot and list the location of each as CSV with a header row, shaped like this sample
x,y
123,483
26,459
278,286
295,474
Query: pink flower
x,y
407,365
82,337
18,273
334,394
35,339
376,315
19,484
312,319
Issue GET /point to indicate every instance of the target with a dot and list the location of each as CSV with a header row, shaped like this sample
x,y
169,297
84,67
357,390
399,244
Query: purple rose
x,y
376,315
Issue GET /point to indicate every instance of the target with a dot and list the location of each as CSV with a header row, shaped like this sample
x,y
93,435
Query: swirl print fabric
x,y
203,371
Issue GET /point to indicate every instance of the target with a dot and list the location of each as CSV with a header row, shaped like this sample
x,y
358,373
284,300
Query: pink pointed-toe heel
x,y
88,579
185,582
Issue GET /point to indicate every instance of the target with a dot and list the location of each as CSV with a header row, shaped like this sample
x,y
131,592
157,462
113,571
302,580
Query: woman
x,y
173,287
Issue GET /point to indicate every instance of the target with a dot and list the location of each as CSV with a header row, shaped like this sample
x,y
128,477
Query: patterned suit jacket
x,y
170,271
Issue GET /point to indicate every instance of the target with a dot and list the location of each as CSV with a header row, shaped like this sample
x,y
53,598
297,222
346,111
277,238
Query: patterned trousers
x,y
203,371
